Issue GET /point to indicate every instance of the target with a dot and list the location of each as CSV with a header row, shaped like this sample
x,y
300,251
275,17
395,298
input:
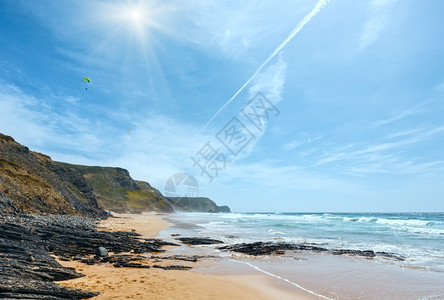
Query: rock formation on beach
x,y
28,271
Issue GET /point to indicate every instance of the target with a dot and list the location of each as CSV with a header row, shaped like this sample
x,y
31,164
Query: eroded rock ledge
x,y
268,248
27,269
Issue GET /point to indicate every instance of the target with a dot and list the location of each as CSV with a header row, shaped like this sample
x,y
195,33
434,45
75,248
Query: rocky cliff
x,y
117,191
32,182
198,204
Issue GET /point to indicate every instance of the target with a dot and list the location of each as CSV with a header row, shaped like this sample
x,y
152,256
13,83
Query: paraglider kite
x,y
86,79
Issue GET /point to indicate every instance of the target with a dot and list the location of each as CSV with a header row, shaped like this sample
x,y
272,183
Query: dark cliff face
x,y
32,182
117,191
198,204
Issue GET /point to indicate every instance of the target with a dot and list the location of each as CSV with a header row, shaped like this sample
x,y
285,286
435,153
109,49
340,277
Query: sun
x,y
135,16
131,27
139,16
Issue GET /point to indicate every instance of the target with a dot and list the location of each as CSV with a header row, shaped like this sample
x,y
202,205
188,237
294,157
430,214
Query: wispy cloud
x,y
329,158
384,158
157,147
235,29
399,116
384,146
435,130
293,144
292,177
399,167
316,9
227,28
35,120
379,10
422,132
269,83
296,143
404,133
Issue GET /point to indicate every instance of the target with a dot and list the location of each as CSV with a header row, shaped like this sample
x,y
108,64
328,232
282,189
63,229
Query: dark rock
x,y
102,252
198,241
7,206
25,253
268,248
391,255
259,248
23,288
173,267
131,265
191,258
27,269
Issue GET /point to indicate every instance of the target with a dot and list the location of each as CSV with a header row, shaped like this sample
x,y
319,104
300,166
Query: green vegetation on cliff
x,y
117,191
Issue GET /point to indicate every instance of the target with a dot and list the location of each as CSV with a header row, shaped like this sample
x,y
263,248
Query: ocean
x,y
419,237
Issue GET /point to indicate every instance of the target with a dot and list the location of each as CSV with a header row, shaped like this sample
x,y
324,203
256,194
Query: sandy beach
x,y
134,283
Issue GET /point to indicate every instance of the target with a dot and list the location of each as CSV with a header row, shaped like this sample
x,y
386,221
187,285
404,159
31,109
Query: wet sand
x,y
134,283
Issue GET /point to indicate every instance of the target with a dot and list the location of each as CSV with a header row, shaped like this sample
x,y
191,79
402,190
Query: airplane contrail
x,y
319,5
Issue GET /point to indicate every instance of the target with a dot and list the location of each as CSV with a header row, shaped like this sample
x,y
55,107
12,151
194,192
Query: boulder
x,y
102,252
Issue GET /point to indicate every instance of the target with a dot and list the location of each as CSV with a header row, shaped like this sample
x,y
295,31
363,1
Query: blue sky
x,y
356,87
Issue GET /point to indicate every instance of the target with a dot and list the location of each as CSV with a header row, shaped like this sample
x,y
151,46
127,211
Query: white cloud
x,y
379,10
404,133
328,159
435,130
385,158
305,20
34,121
384,147
267,176
399,167
399,116
423,132
270,82
158,148
72,99
235,28
296,143
293,144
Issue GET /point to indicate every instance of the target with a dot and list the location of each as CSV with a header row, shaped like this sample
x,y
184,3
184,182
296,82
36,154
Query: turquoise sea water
x,y
419,237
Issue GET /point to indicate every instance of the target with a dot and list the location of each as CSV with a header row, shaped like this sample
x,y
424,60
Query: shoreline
x,y
136,283
232,275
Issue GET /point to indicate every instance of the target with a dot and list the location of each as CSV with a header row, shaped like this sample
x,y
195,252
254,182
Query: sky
x,y
289,106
